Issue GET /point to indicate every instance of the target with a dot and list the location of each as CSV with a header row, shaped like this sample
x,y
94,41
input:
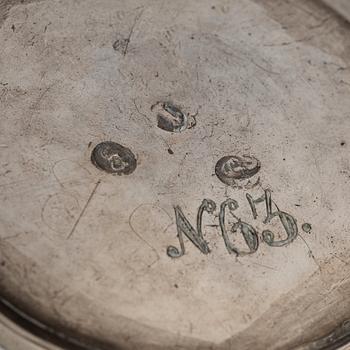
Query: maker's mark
x,y
229,169
114,158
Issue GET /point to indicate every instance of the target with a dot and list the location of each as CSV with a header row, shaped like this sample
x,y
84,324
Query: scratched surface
x,y
87,250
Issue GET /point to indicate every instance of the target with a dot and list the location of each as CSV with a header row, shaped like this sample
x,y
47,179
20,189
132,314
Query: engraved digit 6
x,y
249,234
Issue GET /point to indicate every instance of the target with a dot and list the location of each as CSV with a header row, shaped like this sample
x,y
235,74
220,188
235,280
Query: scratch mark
x,y
35,106
306,11
13,237
303,39
344,82
340,259
267,267
149,122
137,18
263,68
84,209
181,163
310,252
321,23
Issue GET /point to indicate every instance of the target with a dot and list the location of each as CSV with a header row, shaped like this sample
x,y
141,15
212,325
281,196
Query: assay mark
x,y
248,232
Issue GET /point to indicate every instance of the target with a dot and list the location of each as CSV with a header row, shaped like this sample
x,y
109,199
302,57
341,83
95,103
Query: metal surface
x,y
341,6
228,122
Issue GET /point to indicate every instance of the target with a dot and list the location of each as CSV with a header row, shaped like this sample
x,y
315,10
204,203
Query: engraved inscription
x,y
185,227
287,220
249,233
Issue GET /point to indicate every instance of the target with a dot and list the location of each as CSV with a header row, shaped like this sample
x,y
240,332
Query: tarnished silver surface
x,y
341,6
228,227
